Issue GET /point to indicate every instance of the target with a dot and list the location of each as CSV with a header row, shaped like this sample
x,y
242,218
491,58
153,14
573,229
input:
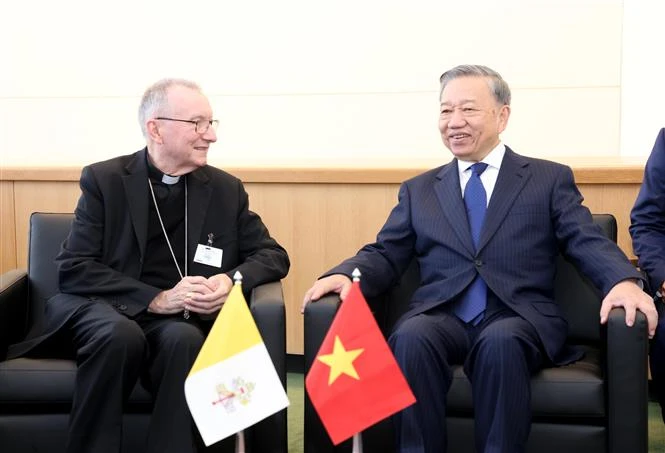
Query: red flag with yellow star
x,y
355,381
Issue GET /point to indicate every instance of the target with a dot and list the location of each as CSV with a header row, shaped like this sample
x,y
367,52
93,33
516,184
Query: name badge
x,y
208,255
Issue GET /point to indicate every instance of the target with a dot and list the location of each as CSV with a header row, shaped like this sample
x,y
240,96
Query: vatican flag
x,y
233,383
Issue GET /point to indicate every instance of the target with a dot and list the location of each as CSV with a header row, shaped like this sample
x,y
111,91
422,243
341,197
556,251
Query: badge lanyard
x,y
185,313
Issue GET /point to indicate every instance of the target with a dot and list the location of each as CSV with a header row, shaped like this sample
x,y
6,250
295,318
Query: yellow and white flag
x,y
233,383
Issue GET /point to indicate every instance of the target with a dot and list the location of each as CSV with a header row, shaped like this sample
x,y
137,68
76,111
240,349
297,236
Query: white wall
x,y
643,75
350,82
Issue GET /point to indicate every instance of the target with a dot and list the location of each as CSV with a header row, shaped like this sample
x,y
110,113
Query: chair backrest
x,y
576,295
46,235
578,298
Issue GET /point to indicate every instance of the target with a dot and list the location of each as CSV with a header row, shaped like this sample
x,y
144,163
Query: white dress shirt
x,y
488,178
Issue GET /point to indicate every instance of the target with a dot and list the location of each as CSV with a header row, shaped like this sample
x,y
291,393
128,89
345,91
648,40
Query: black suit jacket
x,y
534,213
103,255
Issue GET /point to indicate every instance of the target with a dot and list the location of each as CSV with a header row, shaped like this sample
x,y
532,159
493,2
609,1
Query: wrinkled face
x,y
471,119
177,147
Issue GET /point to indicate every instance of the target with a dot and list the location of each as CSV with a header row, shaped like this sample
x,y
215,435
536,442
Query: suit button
x,y
478,263
122,307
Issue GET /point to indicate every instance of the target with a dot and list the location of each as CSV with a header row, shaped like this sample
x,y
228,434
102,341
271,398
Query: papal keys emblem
x,y
240,392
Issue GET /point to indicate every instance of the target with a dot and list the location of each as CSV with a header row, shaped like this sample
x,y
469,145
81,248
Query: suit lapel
x,y
513,175
198,200
449,194
137,197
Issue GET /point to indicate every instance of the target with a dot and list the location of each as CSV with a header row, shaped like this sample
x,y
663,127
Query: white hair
x,y
155,98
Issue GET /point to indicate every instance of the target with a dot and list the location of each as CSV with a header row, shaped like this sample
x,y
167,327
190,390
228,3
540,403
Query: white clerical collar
x,y
157,175
170,180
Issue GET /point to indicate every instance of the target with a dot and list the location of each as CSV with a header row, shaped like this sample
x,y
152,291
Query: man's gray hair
x,y
155,98
498,86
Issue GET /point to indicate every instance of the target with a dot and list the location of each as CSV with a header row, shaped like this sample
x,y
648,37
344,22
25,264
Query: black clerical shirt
x,y
159,269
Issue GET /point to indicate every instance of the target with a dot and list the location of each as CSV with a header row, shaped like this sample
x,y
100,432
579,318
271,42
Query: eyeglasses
x,y
201,126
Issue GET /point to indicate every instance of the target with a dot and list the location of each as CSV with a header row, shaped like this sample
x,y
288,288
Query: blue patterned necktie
x,y
473,302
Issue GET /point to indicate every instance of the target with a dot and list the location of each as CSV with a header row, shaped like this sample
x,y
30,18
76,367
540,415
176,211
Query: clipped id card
x,y
208,255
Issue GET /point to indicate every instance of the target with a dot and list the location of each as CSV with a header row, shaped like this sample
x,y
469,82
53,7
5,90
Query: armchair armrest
x,y
266,302
627,385
318,316
13,308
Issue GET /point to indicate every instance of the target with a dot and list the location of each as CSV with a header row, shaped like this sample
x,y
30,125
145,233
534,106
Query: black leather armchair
x,y
36,394
598,404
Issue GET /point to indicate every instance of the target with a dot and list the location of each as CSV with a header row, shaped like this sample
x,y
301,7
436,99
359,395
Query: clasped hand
x,y
196,294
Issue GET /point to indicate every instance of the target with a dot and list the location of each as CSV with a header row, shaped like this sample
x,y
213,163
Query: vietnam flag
x,y
233,383
355,381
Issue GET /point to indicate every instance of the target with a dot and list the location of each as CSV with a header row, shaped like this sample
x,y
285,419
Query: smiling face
x,y
471,118
174,146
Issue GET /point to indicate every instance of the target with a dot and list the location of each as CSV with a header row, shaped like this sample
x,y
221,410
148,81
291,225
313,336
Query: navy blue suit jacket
x,y
648,216
534,213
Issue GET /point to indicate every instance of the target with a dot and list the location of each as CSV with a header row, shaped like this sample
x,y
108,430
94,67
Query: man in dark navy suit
x,y
156,238
485,229
647,228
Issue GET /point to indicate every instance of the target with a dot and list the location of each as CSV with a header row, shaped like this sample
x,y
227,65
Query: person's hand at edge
x,y
337,283
632,298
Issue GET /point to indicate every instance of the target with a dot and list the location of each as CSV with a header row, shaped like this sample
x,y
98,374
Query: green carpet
x,y
294,388
295,419
656,430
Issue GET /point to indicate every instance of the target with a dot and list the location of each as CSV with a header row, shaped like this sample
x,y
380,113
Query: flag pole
x,y
357,437
240,442
357,443
240,435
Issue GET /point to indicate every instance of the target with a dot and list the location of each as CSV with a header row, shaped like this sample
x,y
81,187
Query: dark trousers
x,y
112,353
499,356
